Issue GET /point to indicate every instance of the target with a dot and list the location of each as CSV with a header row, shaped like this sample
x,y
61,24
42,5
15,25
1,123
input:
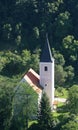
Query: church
x,y
44,81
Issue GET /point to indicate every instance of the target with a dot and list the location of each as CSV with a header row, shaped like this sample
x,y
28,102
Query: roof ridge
x,y
34,73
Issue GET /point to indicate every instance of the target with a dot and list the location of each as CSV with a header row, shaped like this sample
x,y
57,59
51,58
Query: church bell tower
x,y
47,72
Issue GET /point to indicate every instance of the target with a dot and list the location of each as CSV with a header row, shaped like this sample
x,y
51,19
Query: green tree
x,y
72,7
6,99
59,58
70,45
24,106
35,58
71,125
60,73
73,100
62,24
3,61
70,73
45,114
7,29
13,64
18,36
26,59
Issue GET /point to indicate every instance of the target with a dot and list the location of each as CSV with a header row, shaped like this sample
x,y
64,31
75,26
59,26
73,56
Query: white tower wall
x,y
47,79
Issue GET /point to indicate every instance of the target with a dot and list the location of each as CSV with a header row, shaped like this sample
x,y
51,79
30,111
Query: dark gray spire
x,y
46,54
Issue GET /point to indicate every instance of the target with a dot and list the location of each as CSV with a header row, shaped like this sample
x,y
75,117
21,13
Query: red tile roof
x,y
33,79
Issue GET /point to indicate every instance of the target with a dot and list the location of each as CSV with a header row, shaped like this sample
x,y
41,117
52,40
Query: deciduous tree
x,y
24,106
73,100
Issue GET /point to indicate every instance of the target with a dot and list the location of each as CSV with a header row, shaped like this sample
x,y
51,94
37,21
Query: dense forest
x,y
23,28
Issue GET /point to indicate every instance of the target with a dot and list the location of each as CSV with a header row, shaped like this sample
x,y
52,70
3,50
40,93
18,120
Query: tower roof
x,y
46,54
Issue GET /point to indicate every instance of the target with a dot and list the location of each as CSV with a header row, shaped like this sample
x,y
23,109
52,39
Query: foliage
x,y
13,104
23,25
35,58
72,100
45,120
34,126
6,92
13,63
24,106
70,45
71,125
70,73
60,75
63,25
61,92
59,58
63,74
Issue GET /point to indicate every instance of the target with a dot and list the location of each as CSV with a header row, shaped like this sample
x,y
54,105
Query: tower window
x,y
45,68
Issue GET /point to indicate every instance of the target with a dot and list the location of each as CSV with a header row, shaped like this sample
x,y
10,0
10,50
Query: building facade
x,y
45,81
47,72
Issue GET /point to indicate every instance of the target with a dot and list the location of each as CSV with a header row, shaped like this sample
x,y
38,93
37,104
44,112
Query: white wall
x,y
47,79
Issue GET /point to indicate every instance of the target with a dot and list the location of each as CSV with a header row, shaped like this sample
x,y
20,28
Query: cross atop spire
x,y
46,55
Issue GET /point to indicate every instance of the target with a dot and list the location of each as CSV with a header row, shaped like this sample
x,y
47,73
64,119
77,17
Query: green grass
x,y
60,104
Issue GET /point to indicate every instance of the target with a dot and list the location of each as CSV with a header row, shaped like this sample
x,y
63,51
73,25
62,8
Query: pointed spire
x,y
46,55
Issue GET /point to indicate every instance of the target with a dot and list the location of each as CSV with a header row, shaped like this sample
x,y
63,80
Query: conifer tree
x,y
45,114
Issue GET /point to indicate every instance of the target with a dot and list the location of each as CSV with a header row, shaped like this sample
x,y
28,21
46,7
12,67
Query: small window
x,y
45,68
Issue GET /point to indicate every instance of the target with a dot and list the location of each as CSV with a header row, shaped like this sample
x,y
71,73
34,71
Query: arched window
x,y
46,68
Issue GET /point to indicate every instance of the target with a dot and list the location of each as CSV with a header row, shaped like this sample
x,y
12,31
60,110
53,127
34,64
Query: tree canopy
x,y
72,100
45,114
23,26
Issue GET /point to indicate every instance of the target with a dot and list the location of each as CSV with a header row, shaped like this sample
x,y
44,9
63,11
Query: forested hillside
x,y
23,26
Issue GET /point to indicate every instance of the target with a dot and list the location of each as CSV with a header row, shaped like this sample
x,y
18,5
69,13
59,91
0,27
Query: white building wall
x,y
47,79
